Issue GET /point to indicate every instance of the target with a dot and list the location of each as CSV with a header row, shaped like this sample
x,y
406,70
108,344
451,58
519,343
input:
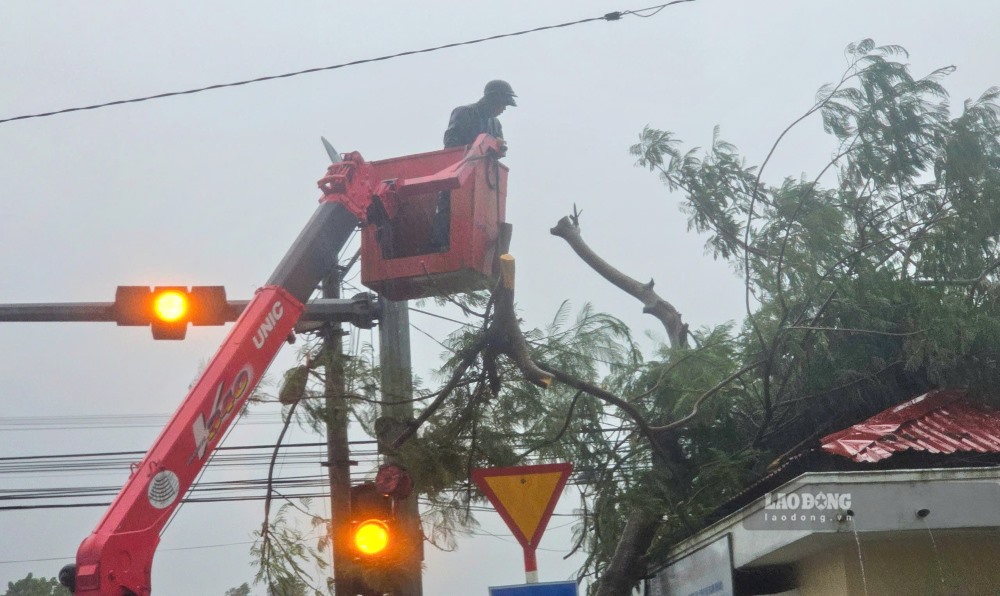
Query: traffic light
x,y
371,537
169,309
371,526
372,541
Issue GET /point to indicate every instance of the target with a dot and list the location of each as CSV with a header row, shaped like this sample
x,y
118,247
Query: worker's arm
x,y
495,128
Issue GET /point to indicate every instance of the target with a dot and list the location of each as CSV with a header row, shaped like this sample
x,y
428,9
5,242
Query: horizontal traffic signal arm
x,y
332,310
169,309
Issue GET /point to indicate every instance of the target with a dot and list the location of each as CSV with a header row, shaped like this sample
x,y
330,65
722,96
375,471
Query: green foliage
x,y
479,425
241,590
36,586
869,281
520,423
286,555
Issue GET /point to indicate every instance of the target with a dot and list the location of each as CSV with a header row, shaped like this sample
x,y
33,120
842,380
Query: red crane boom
x,y
117,558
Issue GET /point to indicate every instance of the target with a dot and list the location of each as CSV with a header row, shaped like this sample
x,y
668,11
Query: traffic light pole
x,y
338,449
397,395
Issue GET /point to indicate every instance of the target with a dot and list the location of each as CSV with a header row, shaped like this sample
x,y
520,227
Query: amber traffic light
x,y
381,547
169,309
371,537
170,306
368,538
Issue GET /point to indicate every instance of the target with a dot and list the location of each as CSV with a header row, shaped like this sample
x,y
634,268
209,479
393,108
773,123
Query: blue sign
x,y
546,589
707,571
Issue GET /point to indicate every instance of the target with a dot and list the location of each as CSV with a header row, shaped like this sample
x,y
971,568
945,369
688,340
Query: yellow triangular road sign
x,y
524,496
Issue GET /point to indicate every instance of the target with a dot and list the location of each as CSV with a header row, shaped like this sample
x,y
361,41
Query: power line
x,y
203,546
141,453
308,485
303,487
112,421
233,456
611,16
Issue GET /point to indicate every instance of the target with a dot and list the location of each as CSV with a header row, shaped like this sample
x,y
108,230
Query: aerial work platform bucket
x,y
398,259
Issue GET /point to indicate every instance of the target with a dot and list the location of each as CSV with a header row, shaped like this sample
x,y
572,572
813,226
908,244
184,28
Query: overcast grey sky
x,y
212,188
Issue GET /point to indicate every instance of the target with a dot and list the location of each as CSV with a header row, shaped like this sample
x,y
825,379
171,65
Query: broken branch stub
x,y
504,333
652,303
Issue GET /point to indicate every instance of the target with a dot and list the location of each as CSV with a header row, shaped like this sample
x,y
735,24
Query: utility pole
x,y
397,396
337,447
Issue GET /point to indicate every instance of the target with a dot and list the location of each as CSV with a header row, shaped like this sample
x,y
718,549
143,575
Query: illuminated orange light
x,y
371,537
170,306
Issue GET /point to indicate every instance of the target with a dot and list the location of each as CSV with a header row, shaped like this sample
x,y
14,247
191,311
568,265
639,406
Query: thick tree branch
x,y
502,335
629,561
652,303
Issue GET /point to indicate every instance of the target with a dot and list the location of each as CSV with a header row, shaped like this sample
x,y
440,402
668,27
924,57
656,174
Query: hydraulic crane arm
x,y
117,558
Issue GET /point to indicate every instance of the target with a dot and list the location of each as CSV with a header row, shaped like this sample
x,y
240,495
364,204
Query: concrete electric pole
x,y
397,395
337,446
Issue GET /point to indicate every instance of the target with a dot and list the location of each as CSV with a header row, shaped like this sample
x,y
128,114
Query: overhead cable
x,y
611,16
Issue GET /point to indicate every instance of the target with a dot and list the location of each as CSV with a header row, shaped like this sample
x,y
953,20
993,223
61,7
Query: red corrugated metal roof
x,y
937,422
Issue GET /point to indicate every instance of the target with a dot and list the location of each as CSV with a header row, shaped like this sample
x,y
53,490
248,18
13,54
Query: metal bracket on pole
x,y
361,311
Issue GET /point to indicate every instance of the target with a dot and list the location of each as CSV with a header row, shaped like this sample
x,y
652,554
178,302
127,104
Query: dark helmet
x,y
500,89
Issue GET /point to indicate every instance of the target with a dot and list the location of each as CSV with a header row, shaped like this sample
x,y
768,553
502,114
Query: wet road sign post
x,y
525,497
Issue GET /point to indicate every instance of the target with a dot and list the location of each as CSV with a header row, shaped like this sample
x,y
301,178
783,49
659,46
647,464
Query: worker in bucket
x,y
467,123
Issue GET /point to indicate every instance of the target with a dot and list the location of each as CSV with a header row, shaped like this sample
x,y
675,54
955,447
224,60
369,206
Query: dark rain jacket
x,y
467,123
